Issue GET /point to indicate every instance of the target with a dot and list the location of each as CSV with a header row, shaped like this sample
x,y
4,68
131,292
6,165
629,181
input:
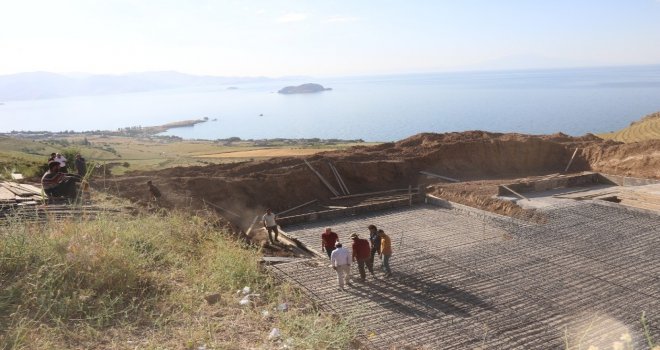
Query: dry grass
x,y
141,282
648,128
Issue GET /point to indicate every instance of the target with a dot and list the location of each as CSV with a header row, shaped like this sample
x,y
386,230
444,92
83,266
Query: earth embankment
x,y
285,182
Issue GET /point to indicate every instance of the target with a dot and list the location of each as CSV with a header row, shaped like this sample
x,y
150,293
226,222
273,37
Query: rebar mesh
x,y
465,280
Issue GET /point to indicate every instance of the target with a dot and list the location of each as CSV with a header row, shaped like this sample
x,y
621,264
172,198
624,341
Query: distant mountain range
x,y
39,85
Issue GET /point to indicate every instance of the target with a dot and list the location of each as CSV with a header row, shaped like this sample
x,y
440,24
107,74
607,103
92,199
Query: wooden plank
x,y
6,195
16,191
281,259
252,225
369,193
28,187
325,182
588,196
550,176
340,179
571,161
439,176
336,174
221,208
16,176
514,192
297,207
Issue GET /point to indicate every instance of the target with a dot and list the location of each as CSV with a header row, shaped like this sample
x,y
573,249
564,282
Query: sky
x,y
323,37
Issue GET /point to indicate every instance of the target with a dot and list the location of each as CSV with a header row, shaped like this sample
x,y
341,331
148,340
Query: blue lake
x,y
377,108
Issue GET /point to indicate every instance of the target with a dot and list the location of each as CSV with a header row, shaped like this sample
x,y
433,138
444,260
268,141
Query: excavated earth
x,y
465,282
480,158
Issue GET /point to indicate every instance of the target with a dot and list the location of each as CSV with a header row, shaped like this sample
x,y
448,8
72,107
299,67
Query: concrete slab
x,y
464,281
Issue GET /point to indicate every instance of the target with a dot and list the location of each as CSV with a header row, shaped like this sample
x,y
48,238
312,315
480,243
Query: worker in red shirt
x,y
328,240
362,254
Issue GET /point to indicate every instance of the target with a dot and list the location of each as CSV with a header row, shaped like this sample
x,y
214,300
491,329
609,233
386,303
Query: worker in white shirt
x,y
271,225
341,262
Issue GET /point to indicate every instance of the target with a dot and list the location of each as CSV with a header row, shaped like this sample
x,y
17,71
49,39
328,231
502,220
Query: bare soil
x,y
248,188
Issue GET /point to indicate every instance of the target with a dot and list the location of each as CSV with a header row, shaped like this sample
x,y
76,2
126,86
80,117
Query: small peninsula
x,y
303,89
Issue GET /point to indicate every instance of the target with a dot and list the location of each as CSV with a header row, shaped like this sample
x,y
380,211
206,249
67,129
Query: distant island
x,y
303,89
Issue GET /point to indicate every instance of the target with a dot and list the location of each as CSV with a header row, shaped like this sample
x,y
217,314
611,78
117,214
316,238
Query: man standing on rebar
x,y
328,240
385,252
374,239
361,255
341,262
271,225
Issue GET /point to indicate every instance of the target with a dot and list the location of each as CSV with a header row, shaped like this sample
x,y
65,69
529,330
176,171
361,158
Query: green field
x,y
123,154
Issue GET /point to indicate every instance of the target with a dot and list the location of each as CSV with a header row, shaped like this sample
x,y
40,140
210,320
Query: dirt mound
x,y
281,183
480,194
639,159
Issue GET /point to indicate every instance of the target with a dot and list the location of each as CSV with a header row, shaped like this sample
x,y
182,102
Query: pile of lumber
x,y
13,193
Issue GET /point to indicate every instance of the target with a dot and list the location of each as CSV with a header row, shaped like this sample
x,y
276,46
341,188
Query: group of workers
x,y
364,250
364,253
57,181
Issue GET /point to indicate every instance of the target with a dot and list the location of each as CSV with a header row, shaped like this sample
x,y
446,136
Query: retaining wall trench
x,y
462,280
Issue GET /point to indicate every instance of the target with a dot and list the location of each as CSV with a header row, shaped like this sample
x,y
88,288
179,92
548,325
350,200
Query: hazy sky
x,y
323,37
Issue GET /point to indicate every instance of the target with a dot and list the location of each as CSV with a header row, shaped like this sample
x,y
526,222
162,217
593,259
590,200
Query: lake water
x,y
380,108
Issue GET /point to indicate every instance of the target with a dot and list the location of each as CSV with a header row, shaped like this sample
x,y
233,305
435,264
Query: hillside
x,y
647,128
474,155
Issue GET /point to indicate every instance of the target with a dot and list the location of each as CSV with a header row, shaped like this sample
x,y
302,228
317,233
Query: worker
x,y
271,225
62,160
385,252
328,240
374,240
81,165
361,255
153,191
341,262
57,183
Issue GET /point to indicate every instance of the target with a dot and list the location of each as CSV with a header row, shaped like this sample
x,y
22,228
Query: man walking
x,y
361,255
374,239
271,225
328,240
385,252
341,262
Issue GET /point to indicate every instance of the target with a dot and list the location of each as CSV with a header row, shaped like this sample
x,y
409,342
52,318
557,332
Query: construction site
x,y
500,241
